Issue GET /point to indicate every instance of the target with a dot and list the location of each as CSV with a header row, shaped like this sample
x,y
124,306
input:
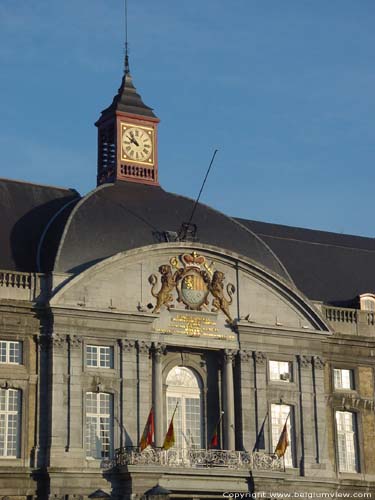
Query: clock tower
x,y
127,138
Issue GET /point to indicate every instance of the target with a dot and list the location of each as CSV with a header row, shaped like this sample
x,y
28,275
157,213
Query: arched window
x,y
184,389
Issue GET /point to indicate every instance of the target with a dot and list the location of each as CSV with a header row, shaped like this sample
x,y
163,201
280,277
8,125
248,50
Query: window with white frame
x,y
279,415
10,352
98,356
10,412
280,371
343,378
99,424
346,428
184,392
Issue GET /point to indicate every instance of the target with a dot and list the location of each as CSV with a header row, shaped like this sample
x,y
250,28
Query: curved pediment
x,y
179,279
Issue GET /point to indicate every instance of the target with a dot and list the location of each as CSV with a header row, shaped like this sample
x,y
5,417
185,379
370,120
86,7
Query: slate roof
x,y
25,212
125,215
127,100
37,220
330,267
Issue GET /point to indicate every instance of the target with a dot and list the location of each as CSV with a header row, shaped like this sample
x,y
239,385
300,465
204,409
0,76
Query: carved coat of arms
x,y
194,280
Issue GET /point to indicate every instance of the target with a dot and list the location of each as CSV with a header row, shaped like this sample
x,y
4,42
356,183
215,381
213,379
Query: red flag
x,y
214,443
148,433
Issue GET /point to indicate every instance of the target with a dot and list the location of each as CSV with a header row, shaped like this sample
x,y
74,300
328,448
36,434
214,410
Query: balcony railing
x,y
350,321
16,285
196,458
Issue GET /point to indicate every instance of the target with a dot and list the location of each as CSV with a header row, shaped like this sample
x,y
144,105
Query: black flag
x,y
260,442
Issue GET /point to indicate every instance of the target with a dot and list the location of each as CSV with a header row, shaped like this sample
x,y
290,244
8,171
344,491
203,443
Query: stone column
x,y
246,405
157,392
128,372
229,429
58,367
74,439
260,396
320,416
306,411
143,387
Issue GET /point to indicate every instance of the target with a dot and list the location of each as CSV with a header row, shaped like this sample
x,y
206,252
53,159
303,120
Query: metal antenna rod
x,y
126,64
204,182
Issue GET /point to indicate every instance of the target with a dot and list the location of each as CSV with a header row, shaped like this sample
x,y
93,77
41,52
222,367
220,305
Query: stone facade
x,y
110,304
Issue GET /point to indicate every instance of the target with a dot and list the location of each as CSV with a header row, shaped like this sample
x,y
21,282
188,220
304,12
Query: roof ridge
x,y
349,235
316,243
18,181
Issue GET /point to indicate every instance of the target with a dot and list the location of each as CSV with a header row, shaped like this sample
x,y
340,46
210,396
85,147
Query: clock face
x,y
137,144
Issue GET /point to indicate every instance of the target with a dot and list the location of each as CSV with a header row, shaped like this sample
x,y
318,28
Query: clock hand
x,y
132,139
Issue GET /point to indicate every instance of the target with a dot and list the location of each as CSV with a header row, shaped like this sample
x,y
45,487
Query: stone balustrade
x,y
16,285
198,458
350,321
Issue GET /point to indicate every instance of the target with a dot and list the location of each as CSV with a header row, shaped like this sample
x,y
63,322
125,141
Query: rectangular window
x,y
11,352
343,378
10,411
99,424
346,426
279,415
280,371
99,356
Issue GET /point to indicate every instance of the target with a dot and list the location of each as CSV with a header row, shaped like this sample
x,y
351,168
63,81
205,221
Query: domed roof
x,y
123,216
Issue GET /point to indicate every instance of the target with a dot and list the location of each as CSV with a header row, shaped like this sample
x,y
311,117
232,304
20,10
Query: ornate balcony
x,y
195,458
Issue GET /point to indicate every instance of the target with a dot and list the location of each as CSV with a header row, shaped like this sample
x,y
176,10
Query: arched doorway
x,y
184,389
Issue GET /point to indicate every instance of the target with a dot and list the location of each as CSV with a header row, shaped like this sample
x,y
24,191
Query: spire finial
x,y
126,62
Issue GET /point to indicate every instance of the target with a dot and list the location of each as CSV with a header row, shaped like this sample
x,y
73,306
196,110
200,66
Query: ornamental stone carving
x,y
305,361
229,355
144,347
245,355
158,349
193,280
127,345
318,362
75,341
259,357
58,340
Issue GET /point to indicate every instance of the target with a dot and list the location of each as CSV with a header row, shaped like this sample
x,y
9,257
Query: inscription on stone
x,y
191,324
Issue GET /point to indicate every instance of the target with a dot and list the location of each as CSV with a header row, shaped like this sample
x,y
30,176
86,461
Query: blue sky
x,y
284,89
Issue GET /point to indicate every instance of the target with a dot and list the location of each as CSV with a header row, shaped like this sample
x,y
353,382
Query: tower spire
x,y
126,61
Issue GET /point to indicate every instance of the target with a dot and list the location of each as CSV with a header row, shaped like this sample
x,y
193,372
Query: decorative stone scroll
x,y
144,347
75,341
127,345
305,361
259,357
245,355
318,362
58,340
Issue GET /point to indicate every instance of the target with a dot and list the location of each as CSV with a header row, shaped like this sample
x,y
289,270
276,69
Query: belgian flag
x,y
148,433
283,442
169,439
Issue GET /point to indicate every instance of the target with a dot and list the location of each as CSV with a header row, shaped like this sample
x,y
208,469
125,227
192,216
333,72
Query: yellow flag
x,y
283,442
169,437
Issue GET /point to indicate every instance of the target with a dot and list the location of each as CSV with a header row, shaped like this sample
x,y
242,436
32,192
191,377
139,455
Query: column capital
x,y
158,349
319,362
126,345
259,357
75,341
245,355
229,354
144,347
58,340
305,361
